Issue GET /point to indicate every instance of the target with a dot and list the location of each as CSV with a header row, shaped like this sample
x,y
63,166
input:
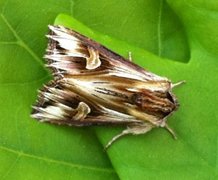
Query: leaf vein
x,y
8,43
11,167
21,42
50,160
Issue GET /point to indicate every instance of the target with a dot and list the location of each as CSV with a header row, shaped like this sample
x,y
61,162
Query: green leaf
x,y
177,39
149,24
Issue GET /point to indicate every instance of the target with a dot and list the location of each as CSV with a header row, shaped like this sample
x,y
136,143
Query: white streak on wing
x,y
66,66
58,57
65,43
157,86
126,75
75,53
51,112
83,84
137,76
125,71
154,77
132,89
118,114
63,106
50,96
62,32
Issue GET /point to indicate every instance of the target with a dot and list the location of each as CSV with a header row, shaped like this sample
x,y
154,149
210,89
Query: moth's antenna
x,y
178,83
170,131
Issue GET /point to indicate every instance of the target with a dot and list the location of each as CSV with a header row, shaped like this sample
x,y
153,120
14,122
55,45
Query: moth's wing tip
x,y
55,28
33,115
34,107
46,56
48,36
52,27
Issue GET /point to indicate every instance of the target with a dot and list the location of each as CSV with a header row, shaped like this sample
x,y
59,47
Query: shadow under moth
x,y
94,86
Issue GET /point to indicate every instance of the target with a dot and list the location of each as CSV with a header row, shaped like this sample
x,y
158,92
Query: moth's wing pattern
x,y
58,105
73,53
93,85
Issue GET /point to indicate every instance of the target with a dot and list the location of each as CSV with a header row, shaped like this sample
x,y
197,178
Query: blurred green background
x,y
175,38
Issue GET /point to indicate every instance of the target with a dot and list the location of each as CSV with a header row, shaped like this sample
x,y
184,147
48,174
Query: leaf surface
x,y
28,149
176,39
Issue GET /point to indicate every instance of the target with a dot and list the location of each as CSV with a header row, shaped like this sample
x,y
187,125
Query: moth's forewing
x,y
93,85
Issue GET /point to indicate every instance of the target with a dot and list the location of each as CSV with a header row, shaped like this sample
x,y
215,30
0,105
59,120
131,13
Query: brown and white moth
x,y
94,86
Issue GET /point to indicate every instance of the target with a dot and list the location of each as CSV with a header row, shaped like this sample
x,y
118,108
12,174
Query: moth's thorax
x,y
159,104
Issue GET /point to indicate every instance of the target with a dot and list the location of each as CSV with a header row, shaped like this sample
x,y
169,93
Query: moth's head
x,y
174,100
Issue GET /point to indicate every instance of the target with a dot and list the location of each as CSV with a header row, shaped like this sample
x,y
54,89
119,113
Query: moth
x,y
93,85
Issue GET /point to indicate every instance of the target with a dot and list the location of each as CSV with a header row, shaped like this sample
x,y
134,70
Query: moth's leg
x,y
130,56
178,83
163,124
135,130
170,131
